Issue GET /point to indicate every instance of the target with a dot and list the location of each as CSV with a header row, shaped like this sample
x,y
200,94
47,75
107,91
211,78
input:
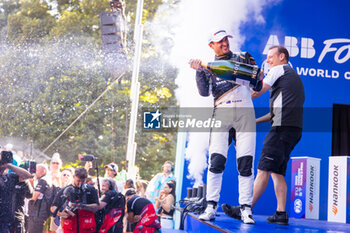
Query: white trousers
x,y
166,223
237,113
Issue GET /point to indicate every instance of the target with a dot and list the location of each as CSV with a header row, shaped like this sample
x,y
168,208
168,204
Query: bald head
x,y
41,170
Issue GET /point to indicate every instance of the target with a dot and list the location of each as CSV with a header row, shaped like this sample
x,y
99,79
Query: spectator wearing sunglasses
x,y
66,177
54,176
55,166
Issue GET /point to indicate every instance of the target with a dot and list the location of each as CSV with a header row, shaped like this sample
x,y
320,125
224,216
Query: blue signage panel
x,y
318,40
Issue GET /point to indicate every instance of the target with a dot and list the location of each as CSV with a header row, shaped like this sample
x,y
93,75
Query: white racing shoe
x,y
209,213
247,215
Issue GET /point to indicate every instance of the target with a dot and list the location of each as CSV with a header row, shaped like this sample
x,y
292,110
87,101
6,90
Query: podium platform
x,y
226,224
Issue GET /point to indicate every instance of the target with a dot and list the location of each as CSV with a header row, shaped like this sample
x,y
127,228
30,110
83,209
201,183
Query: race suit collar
x,y
226,56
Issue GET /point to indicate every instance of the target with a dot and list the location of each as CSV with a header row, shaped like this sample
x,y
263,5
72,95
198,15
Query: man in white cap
x,y
234,108
112,172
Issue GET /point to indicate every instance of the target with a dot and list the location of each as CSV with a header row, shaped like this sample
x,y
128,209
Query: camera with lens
x,y
6,157
29,165
73,201
70,209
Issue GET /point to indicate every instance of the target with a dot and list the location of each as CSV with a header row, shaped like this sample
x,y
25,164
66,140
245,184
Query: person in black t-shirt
x,y
38,211
82,200
286,116
8,184
22,190
141,211
112,205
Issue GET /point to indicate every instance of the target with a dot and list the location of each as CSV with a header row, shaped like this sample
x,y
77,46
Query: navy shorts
x,y
278,144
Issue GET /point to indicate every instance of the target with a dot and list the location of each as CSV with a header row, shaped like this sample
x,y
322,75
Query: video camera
x,y
71,201
6,157
65,205
69,209
29,165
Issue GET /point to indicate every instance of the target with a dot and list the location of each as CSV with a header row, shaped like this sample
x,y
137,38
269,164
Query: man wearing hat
x,y
112,172
234,108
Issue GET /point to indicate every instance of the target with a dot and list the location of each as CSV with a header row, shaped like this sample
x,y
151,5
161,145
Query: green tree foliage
x,y
31,23
63,5
7,7
79,18
52,68
149,9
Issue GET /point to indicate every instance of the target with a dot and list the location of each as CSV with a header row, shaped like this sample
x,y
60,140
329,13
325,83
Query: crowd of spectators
x,y
55,199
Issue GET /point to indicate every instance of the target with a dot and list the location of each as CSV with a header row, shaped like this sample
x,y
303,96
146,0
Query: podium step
x,y
226,224
173,231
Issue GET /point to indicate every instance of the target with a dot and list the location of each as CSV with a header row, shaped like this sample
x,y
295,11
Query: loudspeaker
x,y
113,32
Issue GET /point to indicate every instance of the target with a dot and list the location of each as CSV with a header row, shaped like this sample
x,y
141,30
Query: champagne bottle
x,y
236,72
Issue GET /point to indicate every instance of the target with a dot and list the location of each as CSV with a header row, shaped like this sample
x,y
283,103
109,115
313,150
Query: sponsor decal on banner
x,y
311,189
336,48
335,189
298,188
338,189
298,206
305,187
334,210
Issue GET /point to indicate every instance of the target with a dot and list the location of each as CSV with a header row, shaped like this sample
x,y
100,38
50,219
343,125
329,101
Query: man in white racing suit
x,y
234,108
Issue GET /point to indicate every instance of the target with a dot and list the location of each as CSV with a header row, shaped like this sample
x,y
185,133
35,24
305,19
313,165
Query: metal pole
x,y
31,149
134,94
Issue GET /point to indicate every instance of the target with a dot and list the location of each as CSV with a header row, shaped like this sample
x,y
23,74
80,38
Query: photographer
x,y
73,204
112,205
8,182
22,190
141,211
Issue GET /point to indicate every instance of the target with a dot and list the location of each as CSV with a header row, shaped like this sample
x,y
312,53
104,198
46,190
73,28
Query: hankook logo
x,y
311,190
335,183
311,207
334,210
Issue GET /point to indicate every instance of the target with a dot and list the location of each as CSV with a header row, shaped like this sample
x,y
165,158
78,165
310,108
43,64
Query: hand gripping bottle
x,y
236,72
